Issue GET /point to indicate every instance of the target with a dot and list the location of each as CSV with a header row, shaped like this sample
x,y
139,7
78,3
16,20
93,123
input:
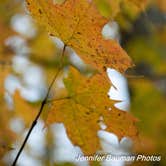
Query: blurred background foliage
x,y
142,26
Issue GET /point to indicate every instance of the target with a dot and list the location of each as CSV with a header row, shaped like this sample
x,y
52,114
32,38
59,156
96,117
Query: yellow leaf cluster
x,y
79,24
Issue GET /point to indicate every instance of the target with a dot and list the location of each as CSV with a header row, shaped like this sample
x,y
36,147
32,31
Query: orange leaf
x,y
81,111
79,24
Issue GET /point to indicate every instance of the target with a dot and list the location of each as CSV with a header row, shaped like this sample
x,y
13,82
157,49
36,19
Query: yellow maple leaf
x,y
79,24
83,108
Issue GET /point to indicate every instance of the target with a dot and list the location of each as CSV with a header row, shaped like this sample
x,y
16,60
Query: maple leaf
x,y
79,24
85,104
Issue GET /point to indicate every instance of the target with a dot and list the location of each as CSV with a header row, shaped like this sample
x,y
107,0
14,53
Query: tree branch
x,y
39,113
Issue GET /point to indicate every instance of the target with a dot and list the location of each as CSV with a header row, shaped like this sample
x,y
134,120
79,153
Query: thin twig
x,y
39,113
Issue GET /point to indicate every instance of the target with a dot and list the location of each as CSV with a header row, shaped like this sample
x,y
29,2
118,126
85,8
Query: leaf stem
x,y
39,113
